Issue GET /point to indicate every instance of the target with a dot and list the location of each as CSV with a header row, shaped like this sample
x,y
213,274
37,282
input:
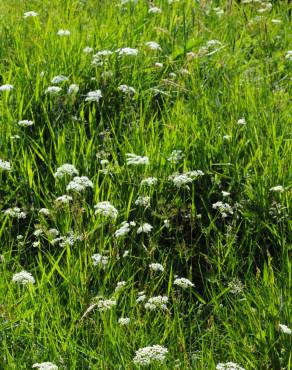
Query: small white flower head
x,y
228,366
45,366
73,89
95,95
120,286
149,181
155,303
127,89
64,199
126,253
123,230
213,43
224,208
4,165
285,329
141,298
147,355
127,51
53,233
59,79
30,14
152,45
65,169
158,65
106,209
79,184
15,137
227,137
176,156
241,121
277,189
44,212
143,201
144,228
63,33
225,193
235,286
183,283
53,90
154,10
6,87
23,278
38,232
180,180
98,259
288,56
156,267
25,123
133,159
106,304
124,321
166,223
87,50
276,21
15,212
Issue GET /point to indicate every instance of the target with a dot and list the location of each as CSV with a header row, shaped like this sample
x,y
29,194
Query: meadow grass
x,y
215,96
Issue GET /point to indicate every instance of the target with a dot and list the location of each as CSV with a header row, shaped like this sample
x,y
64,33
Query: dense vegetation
x,y
140,144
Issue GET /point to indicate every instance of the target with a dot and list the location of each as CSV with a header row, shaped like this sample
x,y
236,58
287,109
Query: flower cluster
x,y
106,209
23,277
145,356
158,302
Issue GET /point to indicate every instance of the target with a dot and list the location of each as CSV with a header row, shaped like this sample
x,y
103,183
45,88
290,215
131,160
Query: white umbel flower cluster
x,y
73,89
66,169
25,123
182,180
120,286
136,159
228,366
152,45
63,33
176,156
4,165
6,87
124,321
98,259
23,277
158,302
143,201
127,51
145,356
149,181
15,212
285,329
106,209
30,14
127,89
156,267
183,283
45,366
224,208
154,10
144,228
125,228
79,184
277,189
64,199
53,90
59,79
106,304
95,95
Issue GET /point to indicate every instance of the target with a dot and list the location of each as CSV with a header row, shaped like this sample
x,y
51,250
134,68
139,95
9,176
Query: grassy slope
x,y
248,77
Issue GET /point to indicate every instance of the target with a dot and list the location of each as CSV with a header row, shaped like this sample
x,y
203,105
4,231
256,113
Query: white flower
x,y
53,233
156,267
158,65
127,89
225,193
241,121
149,181
99,259
143,201
4,165
158,302
277,189
120,285
154,10
63,33
176,156
106,209
144,228
45,366
6,87
66,169
124,321
25,123
53,90
141,298
147,355
59,79
106,304
125,254
284,329
212,43
30,14
136,159
127,51
73,89
287,56
94,95
44,211
183,283
227,137
15,213
228,366
276,21
79,184
23,278
223,208
166,223
152,45
123,230
64,199
87,50
180,180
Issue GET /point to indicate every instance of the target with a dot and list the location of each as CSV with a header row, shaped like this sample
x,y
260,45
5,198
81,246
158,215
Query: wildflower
x,y
236,286
144,228
127,89
6,87
79,184
152,45
158,65
59,79
4,165
66,169
154,10
183,283
141,298
25,123
276,21
166,223
218,11
223,208
63,33
99,259
94,95
64,199
277,189
147,355
14,137
15,213
124,321
53,232
136,159
180,180
23,277
44,211
125,254
158,302
225,193
53,90
241,121
176,156
38,232
45,366
149,181
156,267
106,304
106,209
212,43
228,366
288,56
30,14
284,329
143,201
87,50
73,89
120,285
127,51
226,137
123,230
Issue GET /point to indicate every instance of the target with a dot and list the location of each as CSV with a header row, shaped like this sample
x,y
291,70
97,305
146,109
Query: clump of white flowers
x,y
23,277
158,302
144,228
4,165
73,89
106,209
120,285
143,201
236,286
45,366
95,95
6,87
87,50
136,159
224,208
127,89
58,79
106,304
288,55
285,329
44,211
25,123
63,33
30,14
53,90
98,259
124,321
156,267
154,10
149,181
123,230
64,199
241,121
79,184
228,366
127,51
182,180
152,45
66,169
145,356
176,156
277,189
183,283
15,212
